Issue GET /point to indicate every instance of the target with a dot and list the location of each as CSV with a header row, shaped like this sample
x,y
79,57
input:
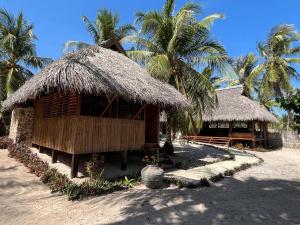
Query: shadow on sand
x,y
233,202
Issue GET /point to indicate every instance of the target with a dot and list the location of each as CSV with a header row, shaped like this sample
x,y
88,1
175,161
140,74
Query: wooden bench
x,y
208,139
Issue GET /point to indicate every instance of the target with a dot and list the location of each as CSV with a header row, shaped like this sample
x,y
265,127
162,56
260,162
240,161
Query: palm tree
x,y
172,46
104,28
17,52
279,54
244,67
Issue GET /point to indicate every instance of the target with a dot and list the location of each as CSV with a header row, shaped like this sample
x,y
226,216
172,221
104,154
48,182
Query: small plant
x,y
151,160
58,182
5,142
95,166
239,146
128,182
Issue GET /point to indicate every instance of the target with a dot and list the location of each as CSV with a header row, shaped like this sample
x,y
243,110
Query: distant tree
x,y
173,46
292,105
244,67
104,28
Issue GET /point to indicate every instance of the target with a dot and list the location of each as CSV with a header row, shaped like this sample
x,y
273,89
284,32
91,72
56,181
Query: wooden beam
x,y
108,106
139,111
74,166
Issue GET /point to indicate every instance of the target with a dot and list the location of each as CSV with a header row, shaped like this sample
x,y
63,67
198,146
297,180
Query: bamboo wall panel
x,y
84,134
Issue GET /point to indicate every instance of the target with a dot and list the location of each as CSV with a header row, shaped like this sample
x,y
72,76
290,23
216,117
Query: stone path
x,y
194,176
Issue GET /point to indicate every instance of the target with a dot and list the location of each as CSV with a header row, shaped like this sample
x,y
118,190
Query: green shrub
x,y
5,142
58,182
95,166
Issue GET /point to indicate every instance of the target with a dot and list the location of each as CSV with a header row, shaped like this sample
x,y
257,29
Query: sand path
x,y
265,194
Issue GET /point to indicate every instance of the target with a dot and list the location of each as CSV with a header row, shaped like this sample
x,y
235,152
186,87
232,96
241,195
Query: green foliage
x,y
5,142
172,46
292,104
95,166
18,52
244,67
58,182
279,53
104,28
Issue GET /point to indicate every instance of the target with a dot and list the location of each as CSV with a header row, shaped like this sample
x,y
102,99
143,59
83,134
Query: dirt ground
x,y
265,194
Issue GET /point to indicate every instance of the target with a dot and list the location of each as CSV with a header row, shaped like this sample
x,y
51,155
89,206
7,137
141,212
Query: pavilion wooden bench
x,y
224,141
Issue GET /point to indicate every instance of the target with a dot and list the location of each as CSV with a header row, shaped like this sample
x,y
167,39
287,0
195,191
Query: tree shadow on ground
x,y
6,168
232,202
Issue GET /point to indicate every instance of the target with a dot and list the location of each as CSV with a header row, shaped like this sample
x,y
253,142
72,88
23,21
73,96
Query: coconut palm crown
x,y
173,47
279,54
104,28
18,52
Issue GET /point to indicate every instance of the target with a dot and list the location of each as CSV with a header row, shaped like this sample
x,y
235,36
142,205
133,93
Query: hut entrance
x,y
152,124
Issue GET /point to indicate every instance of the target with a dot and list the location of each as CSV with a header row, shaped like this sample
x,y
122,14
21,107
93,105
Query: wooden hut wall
x,y
64,129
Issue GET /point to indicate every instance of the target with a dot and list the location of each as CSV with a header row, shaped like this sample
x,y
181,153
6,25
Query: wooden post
x,y
253,134
54,156
265,127
74,166
108,105
124,160
139,111
230,131
158,124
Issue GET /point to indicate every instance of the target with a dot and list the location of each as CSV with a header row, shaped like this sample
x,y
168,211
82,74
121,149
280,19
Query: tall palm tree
x,y
173,46
17,55
17,52
104,28
279,55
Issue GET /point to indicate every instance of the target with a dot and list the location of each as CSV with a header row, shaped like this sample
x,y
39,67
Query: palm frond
x,y
71,46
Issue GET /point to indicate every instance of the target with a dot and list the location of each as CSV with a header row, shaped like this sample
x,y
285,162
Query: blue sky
x,y
247,21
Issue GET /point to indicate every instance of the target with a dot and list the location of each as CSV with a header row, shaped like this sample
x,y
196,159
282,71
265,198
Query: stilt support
x,y
74,166
124,160
54,156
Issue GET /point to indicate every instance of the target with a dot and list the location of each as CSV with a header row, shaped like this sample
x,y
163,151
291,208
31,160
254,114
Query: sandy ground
x,y
266,194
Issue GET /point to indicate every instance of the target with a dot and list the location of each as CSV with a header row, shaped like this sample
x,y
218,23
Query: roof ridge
x,y
230,87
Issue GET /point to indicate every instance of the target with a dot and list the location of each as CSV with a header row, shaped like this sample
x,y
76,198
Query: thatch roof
x,y
233,106
98,71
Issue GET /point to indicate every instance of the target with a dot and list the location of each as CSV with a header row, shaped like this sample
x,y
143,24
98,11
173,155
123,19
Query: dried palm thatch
x,y
98,71
233,106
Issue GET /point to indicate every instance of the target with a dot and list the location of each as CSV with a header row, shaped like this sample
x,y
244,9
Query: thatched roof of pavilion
x,y
233,106
98,71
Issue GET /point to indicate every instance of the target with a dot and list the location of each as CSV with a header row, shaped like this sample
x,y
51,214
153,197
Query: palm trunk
x,y
168,146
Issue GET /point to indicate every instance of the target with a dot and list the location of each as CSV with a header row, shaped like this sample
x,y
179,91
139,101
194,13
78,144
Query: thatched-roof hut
x,y
237,117
95,100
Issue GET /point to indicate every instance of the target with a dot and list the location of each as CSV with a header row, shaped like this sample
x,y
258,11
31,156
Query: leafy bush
x,y
5,142
95,166
239,146
58,182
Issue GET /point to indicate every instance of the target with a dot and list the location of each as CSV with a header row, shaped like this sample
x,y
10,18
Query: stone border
x,y
214,176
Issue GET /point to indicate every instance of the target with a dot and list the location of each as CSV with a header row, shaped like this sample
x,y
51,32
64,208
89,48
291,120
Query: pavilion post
x,y
54,156
124,160
230,131
265,128
253,133
74,166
